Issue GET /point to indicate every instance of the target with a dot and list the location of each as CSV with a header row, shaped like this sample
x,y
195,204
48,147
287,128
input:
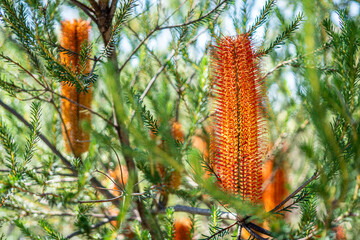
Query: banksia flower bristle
x,y
238,139
182,229
73,35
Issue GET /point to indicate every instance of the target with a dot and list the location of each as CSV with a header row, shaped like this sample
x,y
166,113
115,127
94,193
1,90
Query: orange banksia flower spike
x,y
176,131
182,229
239,133
174,180
73,35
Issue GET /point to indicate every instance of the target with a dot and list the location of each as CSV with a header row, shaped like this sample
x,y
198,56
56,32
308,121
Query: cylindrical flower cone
x,y
239,133
275,190
182,229
73,35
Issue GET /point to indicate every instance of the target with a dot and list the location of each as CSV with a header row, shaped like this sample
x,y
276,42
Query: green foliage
x,y
51,232
34,134
121,16
26,231
31,28
141,234
83,222
214,225
262,18
308,221
279,40
10,148
169,226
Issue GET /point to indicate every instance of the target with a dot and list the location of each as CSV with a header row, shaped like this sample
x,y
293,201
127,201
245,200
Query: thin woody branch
x,y
314,176
198,211
85,8
94,226
159,28
196,20
93,180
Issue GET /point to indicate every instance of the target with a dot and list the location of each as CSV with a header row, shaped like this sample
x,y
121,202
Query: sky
x,y
160,41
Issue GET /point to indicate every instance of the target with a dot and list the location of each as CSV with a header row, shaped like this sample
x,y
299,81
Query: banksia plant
x,y
239,134
141,82
73,35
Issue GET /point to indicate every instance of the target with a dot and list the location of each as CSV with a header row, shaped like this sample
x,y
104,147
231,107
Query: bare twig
x,y
238,236
252,233
159,28
121,171
83,106
101,200
198,211
63,124
24,69
112,180
85,8
290,61
95,5
222,230
94,226
196,20
112,8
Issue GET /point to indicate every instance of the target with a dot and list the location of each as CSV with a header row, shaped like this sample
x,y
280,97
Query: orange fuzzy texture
x,y
174,180
176,131
199,141
238,140
73,35
120,177
177,134
340,232
276,191
182,229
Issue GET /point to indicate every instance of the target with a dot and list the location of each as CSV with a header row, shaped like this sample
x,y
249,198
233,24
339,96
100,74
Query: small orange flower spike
x,y
340,232
176,131
239,135
182,229
174,180
275,192
120,175
73,35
